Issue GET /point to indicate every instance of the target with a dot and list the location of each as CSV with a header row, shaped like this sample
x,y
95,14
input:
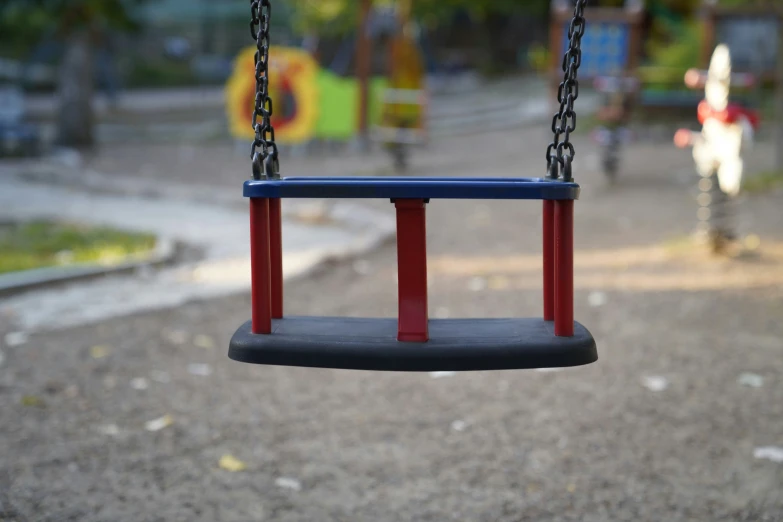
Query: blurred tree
x,y
341,16
81,26
21,30
491,19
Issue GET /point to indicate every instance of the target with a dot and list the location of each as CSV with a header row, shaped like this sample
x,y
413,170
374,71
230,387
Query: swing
x,y
412,342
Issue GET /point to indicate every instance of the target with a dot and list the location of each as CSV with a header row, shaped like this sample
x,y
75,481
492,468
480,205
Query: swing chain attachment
x,y
265,161
560,154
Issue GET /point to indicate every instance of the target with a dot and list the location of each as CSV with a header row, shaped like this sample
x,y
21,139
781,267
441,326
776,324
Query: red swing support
x,y
413,317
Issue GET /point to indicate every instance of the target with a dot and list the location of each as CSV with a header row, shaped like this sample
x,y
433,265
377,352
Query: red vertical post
x,y
260,266
412,270
276,256
564,268
549,260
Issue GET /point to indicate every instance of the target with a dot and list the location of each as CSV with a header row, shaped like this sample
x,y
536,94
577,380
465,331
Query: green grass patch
x,y
39,244
764,182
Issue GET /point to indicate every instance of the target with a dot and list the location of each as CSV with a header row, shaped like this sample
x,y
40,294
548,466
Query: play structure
x,y
313,102
329,103
412,342
727,129
750,31
612,42
404,120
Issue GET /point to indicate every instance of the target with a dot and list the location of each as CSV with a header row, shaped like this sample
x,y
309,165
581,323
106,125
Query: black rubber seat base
x,y
454,345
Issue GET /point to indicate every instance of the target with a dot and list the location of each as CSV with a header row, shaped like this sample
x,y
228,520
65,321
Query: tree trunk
x,y
363,64
75,90
779,98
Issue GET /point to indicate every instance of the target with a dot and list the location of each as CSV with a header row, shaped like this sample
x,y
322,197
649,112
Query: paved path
x,y
219,232
199,113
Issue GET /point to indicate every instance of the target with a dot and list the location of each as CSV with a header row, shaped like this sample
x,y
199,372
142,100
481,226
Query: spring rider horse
x,y
727,130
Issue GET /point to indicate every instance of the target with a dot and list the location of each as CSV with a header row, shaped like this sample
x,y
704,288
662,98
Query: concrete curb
x,y
13,283
56,315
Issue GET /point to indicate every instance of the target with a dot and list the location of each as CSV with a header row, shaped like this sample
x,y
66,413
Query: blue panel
x,y
605,47
411,188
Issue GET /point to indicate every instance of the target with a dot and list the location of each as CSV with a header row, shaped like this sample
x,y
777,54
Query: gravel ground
x,y
661,428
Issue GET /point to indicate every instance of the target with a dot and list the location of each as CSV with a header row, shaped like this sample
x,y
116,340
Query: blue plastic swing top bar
x,y
383,187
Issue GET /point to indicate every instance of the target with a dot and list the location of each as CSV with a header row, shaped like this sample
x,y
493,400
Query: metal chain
x,y
560,154
265,161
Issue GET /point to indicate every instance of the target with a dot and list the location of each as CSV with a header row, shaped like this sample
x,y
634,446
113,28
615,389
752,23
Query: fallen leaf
x,y
99,351
13,339
33,401
459,425
315,214
751,380
773,453
159,423
139,383
231,463
752,242
288,483
204,341
571,488
440,375
202,370
477,284
597,299
655,383
498,283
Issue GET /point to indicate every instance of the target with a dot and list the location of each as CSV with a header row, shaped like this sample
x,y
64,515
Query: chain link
x,y
560,153
265,161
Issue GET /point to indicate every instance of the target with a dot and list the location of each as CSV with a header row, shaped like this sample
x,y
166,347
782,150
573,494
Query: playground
x,y
482,314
